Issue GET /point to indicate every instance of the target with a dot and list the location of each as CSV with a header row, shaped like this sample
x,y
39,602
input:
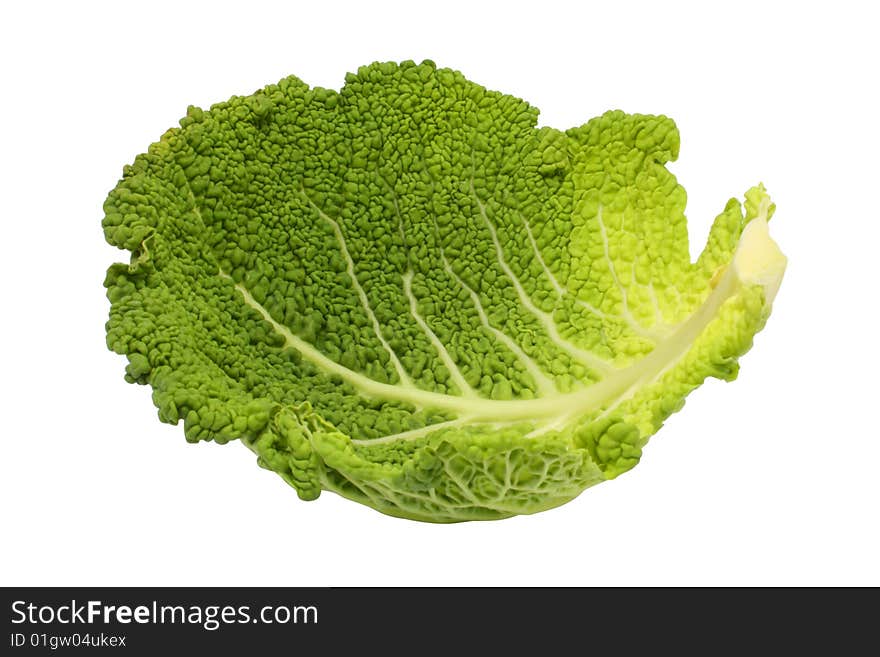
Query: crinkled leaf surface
x,y
407,293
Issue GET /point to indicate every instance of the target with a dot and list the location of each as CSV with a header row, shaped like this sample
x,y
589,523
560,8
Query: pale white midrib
x,y
664,357
489,410
362,295
446,358
546,320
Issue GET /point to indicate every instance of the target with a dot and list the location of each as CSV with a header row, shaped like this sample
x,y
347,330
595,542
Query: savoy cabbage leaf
x,y
407,293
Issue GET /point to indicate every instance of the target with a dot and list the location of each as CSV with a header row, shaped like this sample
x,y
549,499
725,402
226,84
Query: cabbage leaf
x,y
407,293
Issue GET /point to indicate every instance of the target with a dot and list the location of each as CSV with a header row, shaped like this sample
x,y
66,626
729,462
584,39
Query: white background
x,y
771,479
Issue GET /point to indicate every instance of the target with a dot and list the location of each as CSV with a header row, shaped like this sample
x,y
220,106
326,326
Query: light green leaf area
x,y
407,293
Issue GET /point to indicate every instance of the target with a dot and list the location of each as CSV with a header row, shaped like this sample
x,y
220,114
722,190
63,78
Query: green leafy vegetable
x,y
408,294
